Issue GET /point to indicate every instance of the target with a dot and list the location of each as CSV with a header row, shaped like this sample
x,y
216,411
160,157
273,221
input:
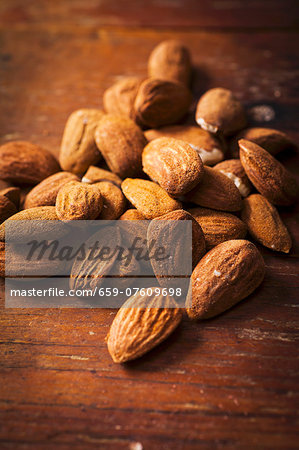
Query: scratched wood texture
x,y
230,382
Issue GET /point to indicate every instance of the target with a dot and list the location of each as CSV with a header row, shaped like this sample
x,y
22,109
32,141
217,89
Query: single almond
x,y
96,174
264,223
268,176
132,214
148,197
223,277
120,97
173,164
114,202
234,170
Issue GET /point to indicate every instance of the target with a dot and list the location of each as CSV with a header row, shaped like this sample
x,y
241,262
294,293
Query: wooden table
x,y
230,382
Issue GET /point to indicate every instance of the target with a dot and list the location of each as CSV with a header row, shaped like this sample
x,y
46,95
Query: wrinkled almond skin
x,y
268,175
264,223
121,143
218,111
114,202
234,170
161,102
120,97
218,226
173,164
78,201
78,149
215,191
132,214
96,174
140,325
273,141
223,277
24,163
149,198
45,193
170,60
206,144
7,208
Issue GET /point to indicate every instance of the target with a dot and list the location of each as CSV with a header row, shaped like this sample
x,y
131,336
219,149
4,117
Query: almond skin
x,y
206,144
268,176
173,164
234,170
148,197
140,325
120,97
264,223
218,111
161,102
45,193
218,226
96,174
132,214
114,202
24,163
78,201
121,143
215,191
170,60
7,208
13,194
224,276
78,148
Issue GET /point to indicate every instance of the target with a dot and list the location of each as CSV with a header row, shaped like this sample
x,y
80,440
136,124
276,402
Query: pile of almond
x,y
138,160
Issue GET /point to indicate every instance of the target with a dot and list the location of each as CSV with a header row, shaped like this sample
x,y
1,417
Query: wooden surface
x,y
231,382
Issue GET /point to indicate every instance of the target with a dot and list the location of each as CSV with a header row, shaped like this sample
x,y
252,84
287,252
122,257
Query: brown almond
x,y
24,163
170,60
120,97
132,214
268,176
78,148
218,111
173,164
121,143
45,193
215,191
114,202
223,277
13,194
140,325
234,170
7,208
161,102
218,226
264,223
96,174
78,201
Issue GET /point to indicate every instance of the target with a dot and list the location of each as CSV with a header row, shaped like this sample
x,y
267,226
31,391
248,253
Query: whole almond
x,y
268,176
170,60
95,174
78,201
215,191
140,325
7,208
161,102
121,143
24,163
45,193
218,111
114,202
132,214
173,164
264,223
78,149
224,276
206,144
120,97
234,170
218,226
148,197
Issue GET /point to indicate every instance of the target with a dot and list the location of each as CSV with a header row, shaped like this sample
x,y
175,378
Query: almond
x,y
218,226
78,149
215,191
234,170
45,193
7,208
78,201
148,197
24,163
218,111
224,276
121,143
161,102
140,325
206,144
120,97
114,202
264,223
132,214
268,176
13,194
170,60
95,174
173,164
